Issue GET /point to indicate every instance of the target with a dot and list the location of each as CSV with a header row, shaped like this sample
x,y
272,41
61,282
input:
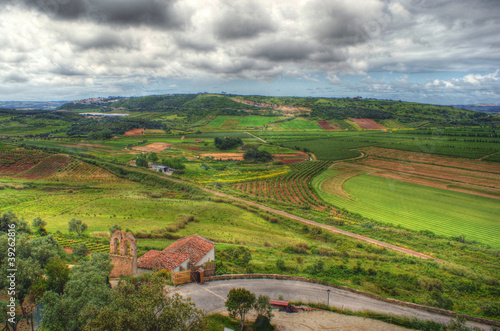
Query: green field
x,y
256,120
219,120
418,207
300,124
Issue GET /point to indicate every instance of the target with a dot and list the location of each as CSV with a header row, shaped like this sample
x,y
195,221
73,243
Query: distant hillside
x,y
197,106
31,105
480,108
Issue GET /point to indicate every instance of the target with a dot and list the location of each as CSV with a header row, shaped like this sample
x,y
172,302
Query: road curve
x,y
300,219
211,296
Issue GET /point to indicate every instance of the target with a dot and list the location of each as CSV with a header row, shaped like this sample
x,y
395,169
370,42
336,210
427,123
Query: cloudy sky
x,y
433,51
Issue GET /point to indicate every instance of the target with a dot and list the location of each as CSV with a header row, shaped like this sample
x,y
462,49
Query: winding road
x,y
211,297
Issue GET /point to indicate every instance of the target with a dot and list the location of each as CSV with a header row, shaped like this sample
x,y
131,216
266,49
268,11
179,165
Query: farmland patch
x,y
299,124
224,156
154,147
219,120
47,167
325,125
367,124
134,132
14,161
419,207
256,120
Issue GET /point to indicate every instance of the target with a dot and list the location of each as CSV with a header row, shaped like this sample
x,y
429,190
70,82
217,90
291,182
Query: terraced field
x,y
293,187
417,207
256,120
219,121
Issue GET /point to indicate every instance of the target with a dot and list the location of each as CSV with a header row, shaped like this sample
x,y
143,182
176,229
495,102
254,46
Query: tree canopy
x,y
239,302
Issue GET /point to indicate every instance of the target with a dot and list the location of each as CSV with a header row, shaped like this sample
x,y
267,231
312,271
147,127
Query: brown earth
x,y
453,175
439,184
14,162
286,109
47,167
367,124
434,159
224,156
134,132
154,147
326,126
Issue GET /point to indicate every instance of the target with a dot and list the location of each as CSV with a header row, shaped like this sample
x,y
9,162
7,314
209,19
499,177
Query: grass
x,y
418,207
300,124
256,120
325,256
219,120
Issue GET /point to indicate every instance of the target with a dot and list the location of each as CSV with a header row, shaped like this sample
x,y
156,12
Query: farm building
x,y
180,255
161,168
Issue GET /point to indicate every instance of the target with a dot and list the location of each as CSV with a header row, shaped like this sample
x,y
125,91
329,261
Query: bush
x,y
80,250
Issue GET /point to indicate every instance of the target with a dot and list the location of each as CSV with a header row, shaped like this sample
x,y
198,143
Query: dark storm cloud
x,y
15,78
101,40
341,23
67,71
159,13
297,51
240,20
196,45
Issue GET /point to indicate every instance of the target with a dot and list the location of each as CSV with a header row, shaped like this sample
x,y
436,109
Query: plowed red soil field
x,y
134,132
326,126
15,161
367,124
47,167
154,147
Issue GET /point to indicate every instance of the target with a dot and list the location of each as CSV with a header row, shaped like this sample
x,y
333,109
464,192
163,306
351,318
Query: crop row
x,y
294,187
92,246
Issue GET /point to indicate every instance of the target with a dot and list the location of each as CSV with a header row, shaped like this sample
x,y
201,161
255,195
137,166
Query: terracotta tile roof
x,y
160,260
193,248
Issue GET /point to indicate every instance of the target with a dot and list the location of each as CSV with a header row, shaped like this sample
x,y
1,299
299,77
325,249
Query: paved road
x,y
211,296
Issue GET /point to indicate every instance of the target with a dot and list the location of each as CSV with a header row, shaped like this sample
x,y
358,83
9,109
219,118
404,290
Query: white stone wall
x,y
209,257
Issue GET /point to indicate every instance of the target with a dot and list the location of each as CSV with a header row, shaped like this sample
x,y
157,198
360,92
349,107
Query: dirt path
x,y
256,137
484,157
303,220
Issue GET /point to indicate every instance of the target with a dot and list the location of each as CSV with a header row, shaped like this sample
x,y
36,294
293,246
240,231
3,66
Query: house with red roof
x,y
180,255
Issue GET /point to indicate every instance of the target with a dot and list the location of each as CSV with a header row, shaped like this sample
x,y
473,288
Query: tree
x,y
141,161
263,306
144,306
254,155
11,218
114,228
227,143
80,250
239,302
77,226
85,294
153,157
39,225
57,273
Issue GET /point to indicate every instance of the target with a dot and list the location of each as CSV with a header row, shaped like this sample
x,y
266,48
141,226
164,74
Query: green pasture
x,y
418,207
132,208
256,120
493,158
219,120
300,124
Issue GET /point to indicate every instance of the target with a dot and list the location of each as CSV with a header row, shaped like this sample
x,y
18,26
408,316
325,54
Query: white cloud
x,y
92,44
